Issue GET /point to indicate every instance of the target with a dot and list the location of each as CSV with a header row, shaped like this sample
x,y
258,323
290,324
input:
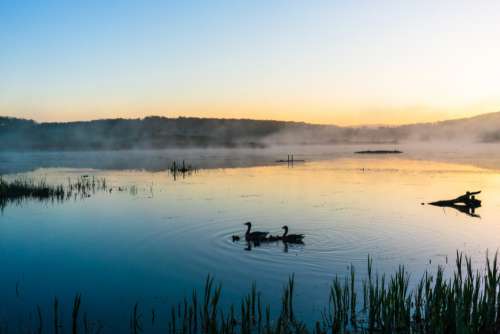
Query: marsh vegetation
x,y
466,302
181,169
21,189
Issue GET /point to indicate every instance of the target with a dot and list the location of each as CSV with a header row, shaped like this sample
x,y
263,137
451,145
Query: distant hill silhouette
x,y
162,132
481,128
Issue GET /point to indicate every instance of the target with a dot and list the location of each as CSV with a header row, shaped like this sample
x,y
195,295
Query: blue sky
x,y
345,62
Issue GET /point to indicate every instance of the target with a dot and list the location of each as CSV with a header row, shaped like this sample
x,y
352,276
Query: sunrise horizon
x,y
88,118
329,63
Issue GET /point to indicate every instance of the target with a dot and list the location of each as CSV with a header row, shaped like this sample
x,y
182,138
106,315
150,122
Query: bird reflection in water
x,y
250,245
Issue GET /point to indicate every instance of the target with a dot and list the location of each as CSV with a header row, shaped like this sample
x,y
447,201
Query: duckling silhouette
x,y
273,238
254,236
291,238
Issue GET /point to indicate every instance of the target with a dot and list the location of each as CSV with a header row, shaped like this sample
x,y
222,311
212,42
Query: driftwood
x,y
466,203
468,199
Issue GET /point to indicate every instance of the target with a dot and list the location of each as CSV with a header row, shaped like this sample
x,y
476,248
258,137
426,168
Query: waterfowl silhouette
x,y
254,236
291,238
273,238
236,238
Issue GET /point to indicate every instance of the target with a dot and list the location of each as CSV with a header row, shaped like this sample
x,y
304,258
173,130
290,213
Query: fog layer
x,y
160,132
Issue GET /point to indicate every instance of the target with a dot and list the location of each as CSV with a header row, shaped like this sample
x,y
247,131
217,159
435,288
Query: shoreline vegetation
x,y
467,302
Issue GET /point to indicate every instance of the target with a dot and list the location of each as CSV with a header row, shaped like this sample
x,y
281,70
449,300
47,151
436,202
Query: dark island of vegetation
x,y
379,152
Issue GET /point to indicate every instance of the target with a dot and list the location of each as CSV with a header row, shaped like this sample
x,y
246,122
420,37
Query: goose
x,y
291,238
254,236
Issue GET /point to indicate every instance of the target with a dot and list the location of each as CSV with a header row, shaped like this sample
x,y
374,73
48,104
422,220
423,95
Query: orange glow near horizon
x,y
342,116
323,62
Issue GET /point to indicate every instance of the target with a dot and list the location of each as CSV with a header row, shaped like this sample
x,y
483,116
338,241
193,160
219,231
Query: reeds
x,y
23,188
85,186
74,314
466,302
182,169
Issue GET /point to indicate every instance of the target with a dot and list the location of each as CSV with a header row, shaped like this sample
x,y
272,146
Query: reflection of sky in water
x,y
156,246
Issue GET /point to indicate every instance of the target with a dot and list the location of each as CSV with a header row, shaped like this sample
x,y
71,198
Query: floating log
x,y
472,203
468,199
466,203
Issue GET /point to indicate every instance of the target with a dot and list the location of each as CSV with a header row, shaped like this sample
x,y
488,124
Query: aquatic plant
x,y
466,302
24,188
182,169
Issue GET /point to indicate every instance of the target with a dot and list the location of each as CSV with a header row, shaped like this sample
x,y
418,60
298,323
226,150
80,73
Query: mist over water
x,y
153,133
478,154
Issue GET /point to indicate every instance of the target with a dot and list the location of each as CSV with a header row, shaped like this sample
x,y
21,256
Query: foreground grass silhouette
x,y
467,302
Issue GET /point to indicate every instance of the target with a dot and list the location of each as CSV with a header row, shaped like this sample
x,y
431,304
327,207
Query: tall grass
x,y
23,188
29,188
467,302
181,168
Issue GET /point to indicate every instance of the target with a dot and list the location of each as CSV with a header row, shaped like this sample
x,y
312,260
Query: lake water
x,y
158,238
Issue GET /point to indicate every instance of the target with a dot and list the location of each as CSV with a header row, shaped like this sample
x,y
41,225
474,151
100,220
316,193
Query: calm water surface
x,y
158,239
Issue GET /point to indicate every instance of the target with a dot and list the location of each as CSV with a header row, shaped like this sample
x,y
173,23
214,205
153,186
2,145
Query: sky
x,y
335,62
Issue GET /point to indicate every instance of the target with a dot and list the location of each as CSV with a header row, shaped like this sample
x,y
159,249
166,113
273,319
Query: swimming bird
x,y
236,238
254,236
273,238
291,238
